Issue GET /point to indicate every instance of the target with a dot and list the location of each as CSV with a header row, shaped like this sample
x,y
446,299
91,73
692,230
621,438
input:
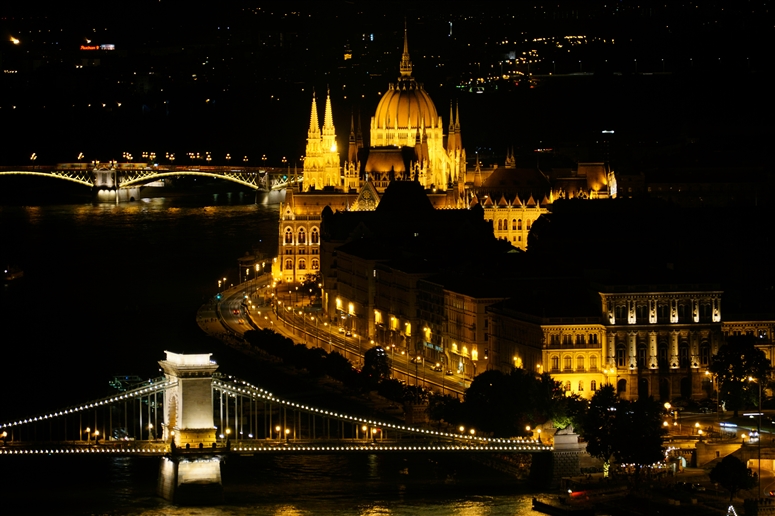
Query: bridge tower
x,y
188,414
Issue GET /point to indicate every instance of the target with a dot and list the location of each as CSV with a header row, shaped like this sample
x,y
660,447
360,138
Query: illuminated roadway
x,y
252,312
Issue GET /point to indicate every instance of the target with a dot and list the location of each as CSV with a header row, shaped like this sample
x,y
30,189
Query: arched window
x,y
314,237
500,224
513,224
315,264
568,365
580,339
302,265
581,385
519,225
567,385
593,363
288,236
302,236
593,385
579,363
529,223
555,363
288,265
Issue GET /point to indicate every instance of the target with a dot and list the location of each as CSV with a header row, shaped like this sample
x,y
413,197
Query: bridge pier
x,y
190,479
117,195
188,415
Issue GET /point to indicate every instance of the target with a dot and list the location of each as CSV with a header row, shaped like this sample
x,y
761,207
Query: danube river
x,y
106,290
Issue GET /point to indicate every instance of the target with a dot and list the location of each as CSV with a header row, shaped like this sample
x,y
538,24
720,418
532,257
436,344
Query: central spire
x,y
406,63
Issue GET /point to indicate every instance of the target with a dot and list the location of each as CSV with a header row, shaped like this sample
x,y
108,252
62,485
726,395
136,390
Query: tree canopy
x,y
630,431
505,404
736,363
376,367
733,475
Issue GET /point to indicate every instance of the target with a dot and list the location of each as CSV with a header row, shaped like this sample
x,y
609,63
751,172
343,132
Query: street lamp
x,y
759,433
88,434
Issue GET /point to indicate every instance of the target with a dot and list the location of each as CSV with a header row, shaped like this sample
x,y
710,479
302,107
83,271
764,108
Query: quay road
x,y
245,306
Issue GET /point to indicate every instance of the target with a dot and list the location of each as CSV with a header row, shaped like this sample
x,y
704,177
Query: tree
x,y
505,404
598,427
639,432
376,367
736,362
630,431
733,475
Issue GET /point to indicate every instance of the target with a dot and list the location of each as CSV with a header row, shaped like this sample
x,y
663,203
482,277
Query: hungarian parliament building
x,y
497,267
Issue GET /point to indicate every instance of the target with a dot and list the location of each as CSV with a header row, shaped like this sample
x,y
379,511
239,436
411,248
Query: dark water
x,y
283,486
106,289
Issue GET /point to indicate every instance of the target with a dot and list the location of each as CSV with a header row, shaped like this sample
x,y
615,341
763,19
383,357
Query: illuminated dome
x,y
405,114
405,105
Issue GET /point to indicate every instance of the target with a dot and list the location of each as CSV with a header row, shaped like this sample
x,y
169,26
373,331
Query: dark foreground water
x,y
107,289
282,486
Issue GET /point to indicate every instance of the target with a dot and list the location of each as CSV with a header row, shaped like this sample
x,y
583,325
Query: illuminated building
x,y
407,144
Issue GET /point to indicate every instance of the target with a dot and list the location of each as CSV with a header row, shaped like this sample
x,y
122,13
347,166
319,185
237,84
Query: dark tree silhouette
x,y
736,362
732,474
598,427
630,431
376,367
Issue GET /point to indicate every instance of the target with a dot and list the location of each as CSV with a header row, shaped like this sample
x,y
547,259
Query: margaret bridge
x,y
122,181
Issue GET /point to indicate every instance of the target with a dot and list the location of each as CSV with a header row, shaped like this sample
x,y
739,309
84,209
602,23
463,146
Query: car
x,y
235,311
704,410
449,372
341,330
437,367
416,360
348,333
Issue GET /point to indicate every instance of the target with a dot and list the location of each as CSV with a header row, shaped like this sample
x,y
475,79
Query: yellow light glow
x,y
15,41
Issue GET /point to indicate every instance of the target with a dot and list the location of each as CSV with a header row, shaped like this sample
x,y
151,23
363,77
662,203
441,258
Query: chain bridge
x,y
123,180
193,416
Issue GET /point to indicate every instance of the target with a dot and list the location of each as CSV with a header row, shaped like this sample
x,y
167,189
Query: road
x,y
245,307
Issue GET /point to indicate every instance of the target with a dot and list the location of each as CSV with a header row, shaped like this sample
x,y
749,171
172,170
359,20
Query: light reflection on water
x,y
325,485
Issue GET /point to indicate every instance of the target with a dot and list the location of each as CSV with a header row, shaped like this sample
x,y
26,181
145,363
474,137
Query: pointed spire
x,y
314,125
451,119
352,154
359,133
328,121
457,116
406,63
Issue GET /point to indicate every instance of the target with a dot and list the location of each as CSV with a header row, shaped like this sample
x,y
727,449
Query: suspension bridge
x,y
193,416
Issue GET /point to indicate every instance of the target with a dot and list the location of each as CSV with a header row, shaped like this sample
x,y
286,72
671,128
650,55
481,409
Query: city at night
x,y
395,258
